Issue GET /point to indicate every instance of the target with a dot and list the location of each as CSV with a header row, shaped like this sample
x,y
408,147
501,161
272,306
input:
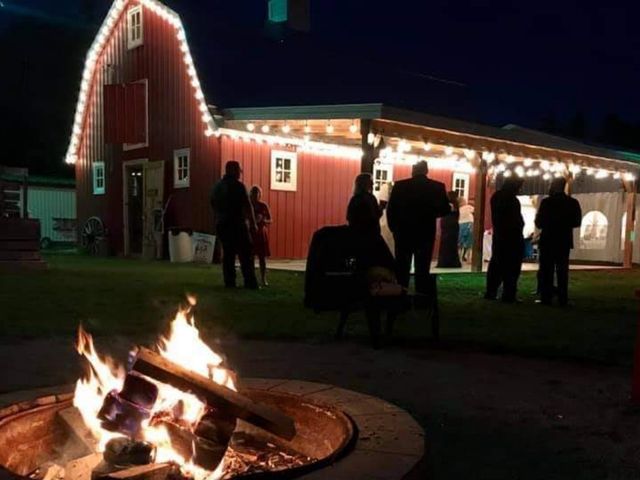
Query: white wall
x,y
47,203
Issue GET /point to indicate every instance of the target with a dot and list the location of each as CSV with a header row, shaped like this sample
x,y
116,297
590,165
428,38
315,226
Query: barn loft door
x,y
153,204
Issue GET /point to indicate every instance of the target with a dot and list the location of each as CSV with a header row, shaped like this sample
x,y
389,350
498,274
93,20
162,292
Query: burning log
x,y
218,397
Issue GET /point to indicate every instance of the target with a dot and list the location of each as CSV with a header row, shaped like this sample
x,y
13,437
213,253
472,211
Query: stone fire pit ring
x,y
388,441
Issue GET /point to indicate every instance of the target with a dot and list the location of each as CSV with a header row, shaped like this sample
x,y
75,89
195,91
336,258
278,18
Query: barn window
x,y
593,231
181,167
382,174
98,178
284,170
460,184
134,27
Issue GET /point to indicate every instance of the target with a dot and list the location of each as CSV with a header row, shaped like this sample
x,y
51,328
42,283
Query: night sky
x,y
524,61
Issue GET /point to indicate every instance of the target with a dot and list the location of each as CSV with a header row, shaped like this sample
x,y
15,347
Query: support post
x,y
369,153
478,217
630,198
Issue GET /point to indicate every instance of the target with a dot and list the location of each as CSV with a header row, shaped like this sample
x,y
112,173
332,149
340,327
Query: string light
x,y
426,146
527,162
629,177
330,128
307,128
510,159
507,173
469,153
519,170
286,128
488,156
265,128
353,127
448,150
546,176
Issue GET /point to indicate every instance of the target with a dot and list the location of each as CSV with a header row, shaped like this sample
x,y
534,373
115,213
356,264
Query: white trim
x,y
132,146
461,176
292,184
132,41
177,154
95,168
125,197
381,167
93,55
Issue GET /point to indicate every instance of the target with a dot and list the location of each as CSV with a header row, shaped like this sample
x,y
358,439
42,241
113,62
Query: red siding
x,y
323,192
174,122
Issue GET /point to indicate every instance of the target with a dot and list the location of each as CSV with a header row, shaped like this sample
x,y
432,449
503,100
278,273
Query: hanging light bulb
x,y
546,176
330,128
507,173
617,175
307,128
510,159
306,137
353,128
519,171
286,128
448,150
469,153
251,127
590,171
265,128
371,137
629,177
426,146
527,162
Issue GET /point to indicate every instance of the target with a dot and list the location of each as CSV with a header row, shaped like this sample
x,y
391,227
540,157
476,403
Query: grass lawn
x,y
132,297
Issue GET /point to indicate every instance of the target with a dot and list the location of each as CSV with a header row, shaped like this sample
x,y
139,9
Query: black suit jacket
x,y
414,205
557,216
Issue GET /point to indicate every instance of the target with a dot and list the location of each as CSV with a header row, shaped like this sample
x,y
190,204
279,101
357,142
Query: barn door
x,y
153,204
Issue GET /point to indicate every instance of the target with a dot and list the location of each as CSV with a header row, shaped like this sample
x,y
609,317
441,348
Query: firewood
x,y
217,396
203,452
81,468
153,471
72,419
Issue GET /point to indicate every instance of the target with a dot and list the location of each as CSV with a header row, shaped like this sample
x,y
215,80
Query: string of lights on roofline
x,y
503,164
529,168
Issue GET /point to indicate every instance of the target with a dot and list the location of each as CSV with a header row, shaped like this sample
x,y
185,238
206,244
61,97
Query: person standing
x,y
449,232
557,216
414,205
507,249
465,239
260,236
234,220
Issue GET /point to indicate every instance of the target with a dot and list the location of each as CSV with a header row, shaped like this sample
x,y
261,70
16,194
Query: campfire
x,y
175,412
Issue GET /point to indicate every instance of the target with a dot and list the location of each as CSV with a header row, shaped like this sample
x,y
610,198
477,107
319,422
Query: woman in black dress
x,y
449,232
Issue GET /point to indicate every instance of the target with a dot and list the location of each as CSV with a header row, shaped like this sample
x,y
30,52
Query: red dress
x,y
261,236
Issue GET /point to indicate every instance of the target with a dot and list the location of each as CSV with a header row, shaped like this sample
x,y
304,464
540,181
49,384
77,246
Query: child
x,y
261,234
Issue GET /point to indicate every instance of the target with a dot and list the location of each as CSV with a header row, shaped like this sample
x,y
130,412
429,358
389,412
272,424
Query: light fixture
x,y
371,137
527,162
251,127
265,128
519,171
448,150
353,128
469,153
330,128
427,146
507,173
307,128
546,176
286,128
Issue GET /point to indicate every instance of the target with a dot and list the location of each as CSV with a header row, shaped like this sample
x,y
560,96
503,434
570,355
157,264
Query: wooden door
x,y
153,205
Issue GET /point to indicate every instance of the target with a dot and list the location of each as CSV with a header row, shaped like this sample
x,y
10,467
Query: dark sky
x,y
523,59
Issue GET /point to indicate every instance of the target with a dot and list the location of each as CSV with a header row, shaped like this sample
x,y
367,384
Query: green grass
x,y
137,298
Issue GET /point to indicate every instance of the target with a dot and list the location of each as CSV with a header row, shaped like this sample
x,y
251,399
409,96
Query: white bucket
x,y
180,247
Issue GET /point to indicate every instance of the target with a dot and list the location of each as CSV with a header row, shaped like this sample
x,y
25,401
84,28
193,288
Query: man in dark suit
x,y
413,207
233,218
507,249
557,216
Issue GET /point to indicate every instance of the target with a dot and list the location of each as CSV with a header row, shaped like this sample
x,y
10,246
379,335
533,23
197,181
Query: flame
x,y
183,346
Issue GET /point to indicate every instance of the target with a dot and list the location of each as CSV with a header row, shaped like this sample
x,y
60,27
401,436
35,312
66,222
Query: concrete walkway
x,y
485,416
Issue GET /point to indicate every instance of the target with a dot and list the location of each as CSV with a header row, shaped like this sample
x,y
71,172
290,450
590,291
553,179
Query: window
x,y
98,178
593,231
181,168
284,170
278,11
461,184
136,108
382,175
134,27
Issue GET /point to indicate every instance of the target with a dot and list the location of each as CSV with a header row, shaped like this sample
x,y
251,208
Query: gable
x,y
117,14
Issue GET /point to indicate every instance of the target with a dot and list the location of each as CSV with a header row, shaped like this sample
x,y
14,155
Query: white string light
x,y
330,128
286,128
353,127
251,127
265,128
426,146
448,150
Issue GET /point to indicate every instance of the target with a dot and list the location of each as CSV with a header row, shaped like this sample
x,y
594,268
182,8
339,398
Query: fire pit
x,y
178,412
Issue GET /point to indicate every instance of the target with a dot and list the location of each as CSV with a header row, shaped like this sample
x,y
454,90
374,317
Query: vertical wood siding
x,y
323,192
174,122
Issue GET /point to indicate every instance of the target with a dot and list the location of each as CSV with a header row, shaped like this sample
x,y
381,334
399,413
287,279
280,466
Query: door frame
x,y
125,198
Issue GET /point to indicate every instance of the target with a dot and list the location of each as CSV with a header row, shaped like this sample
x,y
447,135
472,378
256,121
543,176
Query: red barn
x,y
148,147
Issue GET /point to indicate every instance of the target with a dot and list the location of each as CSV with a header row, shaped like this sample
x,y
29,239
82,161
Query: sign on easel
x,y
203,246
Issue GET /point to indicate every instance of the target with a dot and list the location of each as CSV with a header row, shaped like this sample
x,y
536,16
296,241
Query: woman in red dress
x,y
261,235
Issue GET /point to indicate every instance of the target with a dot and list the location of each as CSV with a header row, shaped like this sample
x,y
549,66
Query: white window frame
x,y
292,185
96,168
464,177
381,167
177,155
134,41
132,146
